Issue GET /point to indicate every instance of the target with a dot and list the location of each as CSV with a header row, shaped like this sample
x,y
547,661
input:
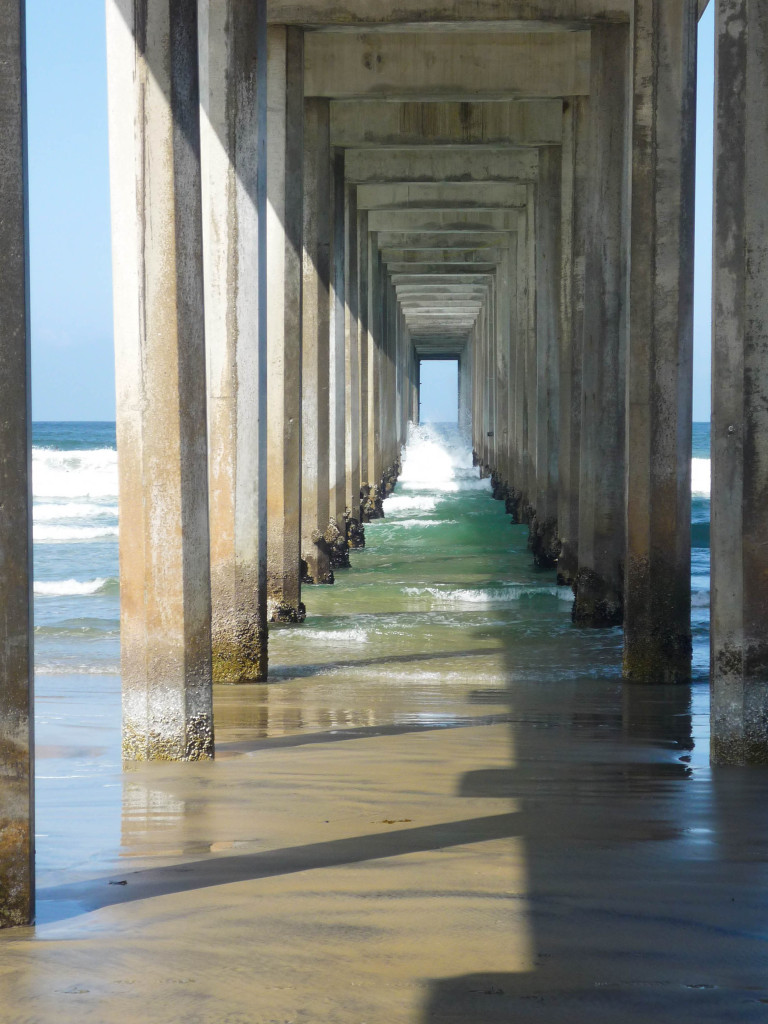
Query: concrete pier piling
x,y
17,828
740,391
657,622
154,122
233,128
285,149
599,589
315,352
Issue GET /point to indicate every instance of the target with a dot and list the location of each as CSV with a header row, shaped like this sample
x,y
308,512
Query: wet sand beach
x,y
445,806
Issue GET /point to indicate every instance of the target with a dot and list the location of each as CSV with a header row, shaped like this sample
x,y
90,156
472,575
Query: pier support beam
x,y
657,613
352,333
154,120
17,829
337,371
233,128
548,199
285,147
740,390
574,202
602,531
315,510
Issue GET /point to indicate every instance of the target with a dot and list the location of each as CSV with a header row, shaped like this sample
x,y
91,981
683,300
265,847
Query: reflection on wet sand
x,y
451,814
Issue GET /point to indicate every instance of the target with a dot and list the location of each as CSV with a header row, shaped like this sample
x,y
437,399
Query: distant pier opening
x,y
439,391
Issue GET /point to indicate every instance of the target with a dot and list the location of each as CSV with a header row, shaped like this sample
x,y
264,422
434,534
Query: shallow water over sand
x,y
445,806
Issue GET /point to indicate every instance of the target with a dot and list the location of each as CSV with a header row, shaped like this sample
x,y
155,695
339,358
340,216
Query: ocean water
x,y
77,595
439,506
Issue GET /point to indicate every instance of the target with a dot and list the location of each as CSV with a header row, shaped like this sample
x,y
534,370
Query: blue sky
x,y
71,285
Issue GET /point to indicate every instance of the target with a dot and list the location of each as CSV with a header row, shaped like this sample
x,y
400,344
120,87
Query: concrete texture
x,y
285,148
154,123
233,96
17,827
446,66
657,616
337,366
315,354
599,590
574,182
740,395
352,342
509,123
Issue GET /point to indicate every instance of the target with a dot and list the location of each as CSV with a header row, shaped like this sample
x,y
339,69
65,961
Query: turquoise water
x,y
440,507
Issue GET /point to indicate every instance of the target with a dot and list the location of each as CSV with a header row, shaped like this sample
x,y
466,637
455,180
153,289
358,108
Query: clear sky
x,y
72,360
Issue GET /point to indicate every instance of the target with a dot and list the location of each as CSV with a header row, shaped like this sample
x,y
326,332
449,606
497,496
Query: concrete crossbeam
x,y
377,124
451,222
423,163
485,14
428,196
444,240
438,256
446,66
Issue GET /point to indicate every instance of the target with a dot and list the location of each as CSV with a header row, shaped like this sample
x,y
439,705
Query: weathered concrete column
x,y
507,285
233,136
518,363
543,540
657,611
599,583
154,119
465,388
355,530
740,390
363,284
17,828
575,203
337,396
315,511
374,359
285,147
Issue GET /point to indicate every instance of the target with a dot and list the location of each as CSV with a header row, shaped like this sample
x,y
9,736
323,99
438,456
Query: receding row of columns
x,y
287,247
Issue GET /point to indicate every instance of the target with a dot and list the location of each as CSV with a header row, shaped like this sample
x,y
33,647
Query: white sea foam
x,y
410,523
409,503
70,668
701,478
700,599
90,473
71,588
487,595
332,636
72,534
53,511
434,464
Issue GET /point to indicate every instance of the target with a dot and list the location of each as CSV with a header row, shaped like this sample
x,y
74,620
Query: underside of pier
x,y
308,200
